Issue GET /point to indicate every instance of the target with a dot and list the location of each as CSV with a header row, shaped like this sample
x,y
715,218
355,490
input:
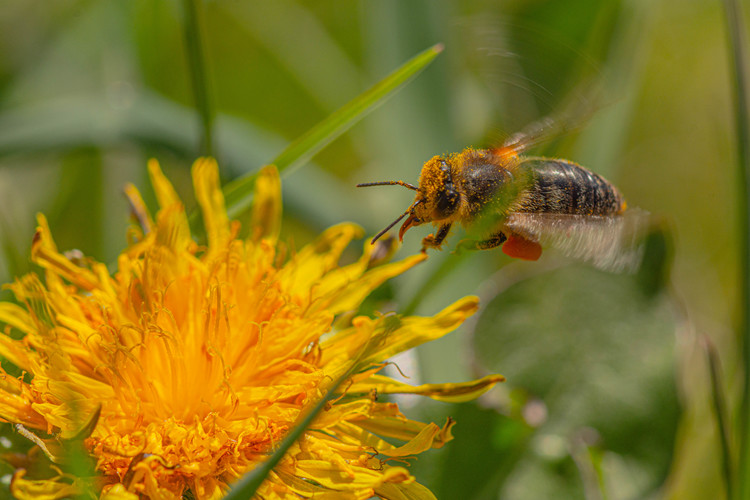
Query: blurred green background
x,y
607,393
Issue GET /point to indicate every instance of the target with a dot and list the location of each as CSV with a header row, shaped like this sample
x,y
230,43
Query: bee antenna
x,y
381,233
389,183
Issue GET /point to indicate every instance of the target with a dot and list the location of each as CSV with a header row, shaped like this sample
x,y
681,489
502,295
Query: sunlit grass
x,y
239,192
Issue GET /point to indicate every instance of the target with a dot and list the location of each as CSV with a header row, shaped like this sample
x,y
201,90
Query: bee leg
x,y
495,241
492,242
434,241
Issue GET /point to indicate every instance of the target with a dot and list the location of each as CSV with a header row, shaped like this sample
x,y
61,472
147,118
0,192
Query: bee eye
x,y
446,203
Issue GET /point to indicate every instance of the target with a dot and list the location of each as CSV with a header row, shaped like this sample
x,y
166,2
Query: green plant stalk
x,y
198,74
739,72
722,414
247,486
238,193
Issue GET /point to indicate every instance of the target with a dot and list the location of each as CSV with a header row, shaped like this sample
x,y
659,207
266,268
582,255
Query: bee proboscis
x,y
522,203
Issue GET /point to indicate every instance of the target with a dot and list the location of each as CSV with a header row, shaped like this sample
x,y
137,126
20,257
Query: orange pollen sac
x,y
521,248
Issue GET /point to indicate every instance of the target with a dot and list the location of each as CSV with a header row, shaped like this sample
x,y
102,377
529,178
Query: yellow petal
x,y
344,297
118,492
174,231
15,408
414,331
332,477
165,193
420,443
386,420
342,412
265,220
11,349
45,489
138,208
404,491
306,489
17,317
450,392
210,198
298,485
313,261
44,252
429,436
391,335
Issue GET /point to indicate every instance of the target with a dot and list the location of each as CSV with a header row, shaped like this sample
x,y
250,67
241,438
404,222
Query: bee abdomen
x,y
562,187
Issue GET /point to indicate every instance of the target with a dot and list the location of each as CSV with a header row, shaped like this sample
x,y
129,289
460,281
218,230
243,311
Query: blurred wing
x,y
581,106
613,243
536,133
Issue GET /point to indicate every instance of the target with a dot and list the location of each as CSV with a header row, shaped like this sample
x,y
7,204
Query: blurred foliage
x,y
606,352
90,90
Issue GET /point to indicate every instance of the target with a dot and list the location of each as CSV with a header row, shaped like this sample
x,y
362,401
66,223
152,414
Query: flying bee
x,y
523,202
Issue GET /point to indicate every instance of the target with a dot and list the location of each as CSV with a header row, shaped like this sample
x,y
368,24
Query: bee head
x,y
436,199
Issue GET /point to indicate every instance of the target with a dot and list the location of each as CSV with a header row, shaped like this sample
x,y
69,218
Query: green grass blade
x,y
238,193
739,71
247,486
722,415
198,75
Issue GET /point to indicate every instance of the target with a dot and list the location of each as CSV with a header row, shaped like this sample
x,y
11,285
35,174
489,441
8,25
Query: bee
x,y
522,202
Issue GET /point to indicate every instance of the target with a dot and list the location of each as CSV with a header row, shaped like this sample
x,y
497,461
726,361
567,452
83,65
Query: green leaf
x,y
238,193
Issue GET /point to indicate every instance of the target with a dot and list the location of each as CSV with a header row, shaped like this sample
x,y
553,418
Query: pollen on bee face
x,y
433,175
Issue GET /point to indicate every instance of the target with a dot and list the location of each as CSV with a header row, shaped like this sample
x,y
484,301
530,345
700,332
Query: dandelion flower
x,y
181,371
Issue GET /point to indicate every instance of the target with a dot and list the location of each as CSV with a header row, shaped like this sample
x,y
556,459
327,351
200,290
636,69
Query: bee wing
x,y
612,243
536,133
581,106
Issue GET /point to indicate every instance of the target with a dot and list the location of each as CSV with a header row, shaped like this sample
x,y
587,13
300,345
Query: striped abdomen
x,y
562,187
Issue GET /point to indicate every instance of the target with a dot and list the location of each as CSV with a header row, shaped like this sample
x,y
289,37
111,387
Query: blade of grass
x,y
722,415
198,75
238,193
250,482
737,49
80,464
